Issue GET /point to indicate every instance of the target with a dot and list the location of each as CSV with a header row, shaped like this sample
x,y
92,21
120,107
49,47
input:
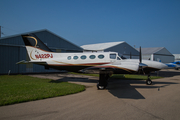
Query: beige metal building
x,y
157,54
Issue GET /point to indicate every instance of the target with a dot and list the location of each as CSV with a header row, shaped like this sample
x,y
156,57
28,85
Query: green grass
x,y
21,88
123,76
96,75
133,77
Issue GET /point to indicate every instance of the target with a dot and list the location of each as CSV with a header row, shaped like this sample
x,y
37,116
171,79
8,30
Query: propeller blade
x,y
130,56
140,55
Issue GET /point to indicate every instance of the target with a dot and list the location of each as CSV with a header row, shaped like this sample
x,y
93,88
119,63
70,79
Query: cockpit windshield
x,y
117,56
122,57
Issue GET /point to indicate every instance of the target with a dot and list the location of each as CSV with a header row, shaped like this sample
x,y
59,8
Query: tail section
x,y
36,49
34,41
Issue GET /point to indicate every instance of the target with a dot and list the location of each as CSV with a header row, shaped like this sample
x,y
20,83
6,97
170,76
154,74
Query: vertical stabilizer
x,y
36,49
34,41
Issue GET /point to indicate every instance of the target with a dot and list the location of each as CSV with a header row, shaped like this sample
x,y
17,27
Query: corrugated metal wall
x,y
55,42
176,57
164,58
9,56
12,50
146,57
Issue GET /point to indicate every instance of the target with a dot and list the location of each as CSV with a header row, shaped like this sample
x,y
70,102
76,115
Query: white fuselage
x,y
109,60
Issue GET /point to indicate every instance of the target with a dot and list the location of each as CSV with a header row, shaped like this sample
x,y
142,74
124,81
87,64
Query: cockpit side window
x,y
112,56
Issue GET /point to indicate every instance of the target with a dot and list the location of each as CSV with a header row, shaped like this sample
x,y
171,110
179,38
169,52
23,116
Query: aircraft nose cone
x,y
163,66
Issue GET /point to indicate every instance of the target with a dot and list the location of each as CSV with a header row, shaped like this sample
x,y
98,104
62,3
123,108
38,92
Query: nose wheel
x,y
149,81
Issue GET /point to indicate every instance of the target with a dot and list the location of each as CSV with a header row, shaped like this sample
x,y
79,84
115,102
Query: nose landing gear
x,y
149,81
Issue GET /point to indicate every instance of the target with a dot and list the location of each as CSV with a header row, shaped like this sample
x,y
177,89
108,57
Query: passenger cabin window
x,y
75,57
100,56
112,56
83,57
69,57
92,56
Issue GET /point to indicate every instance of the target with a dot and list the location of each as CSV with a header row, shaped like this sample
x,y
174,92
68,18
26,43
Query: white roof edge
x,y
101,46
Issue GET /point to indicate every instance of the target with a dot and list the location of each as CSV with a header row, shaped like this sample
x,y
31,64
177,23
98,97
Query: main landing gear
x,y
105,75
103,80
149,81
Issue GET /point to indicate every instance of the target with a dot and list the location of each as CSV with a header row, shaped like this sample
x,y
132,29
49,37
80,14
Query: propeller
x,y
141,65
140,55
130,56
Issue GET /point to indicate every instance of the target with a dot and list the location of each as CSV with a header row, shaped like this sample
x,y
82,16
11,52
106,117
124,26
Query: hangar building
x,y
121,47
12,50
157,54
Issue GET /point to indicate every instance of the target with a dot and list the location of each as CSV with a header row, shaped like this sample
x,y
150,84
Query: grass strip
x,y
133,77
122,76
96,75
21,88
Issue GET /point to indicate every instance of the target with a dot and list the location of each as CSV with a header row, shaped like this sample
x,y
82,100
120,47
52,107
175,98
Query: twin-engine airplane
x,y
174,65
106,63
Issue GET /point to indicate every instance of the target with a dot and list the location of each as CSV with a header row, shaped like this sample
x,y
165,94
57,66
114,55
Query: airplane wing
x,y
121,68
143,65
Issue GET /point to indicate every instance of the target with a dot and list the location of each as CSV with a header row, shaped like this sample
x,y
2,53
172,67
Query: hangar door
x,y
9,57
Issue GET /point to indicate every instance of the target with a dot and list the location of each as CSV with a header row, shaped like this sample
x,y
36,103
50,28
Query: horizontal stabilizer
x,y
27,62
22,62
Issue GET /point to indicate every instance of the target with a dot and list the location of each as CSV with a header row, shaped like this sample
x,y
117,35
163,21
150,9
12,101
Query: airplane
x,y
175,65
107,63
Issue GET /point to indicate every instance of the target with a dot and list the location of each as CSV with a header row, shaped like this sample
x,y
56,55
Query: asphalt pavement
x,y
123,99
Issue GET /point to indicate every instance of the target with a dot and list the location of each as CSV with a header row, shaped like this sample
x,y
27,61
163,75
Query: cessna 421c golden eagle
x,y
105,62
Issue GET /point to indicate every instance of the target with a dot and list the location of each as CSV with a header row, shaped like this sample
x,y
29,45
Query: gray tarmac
x,y
123,99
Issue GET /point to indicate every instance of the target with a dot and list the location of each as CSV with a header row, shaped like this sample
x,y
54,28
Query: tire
x,y
148,82
100,87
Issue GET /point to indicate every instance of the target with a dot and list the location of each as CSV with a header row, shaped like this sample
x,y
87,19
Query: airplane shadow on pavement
x,y
121,88
168,73
77,79
127,88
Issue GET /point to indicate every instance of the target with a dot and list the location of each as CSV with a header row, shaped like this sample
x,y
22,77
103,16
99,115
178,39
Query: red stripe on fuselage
x,y
87,64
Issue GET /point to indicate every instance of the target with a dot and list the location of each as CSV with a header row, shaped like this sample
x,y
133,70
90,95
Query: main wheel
x,y
101,87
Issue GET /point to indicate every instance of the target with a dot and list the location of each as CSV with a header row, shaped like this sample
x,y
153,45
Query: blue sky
x,y
145,23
